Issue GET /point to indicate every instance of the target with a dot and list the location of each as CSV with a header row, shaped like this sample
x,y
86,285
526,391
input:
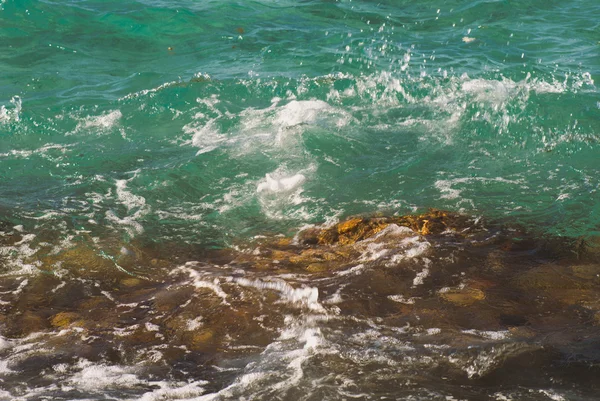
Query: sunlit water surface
x,y
159,158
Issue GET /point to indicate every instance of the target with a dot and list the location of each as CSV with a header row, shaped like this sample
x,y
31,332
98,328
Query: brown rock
x,y
587,272
463,296
30,322
313,256
349,225
282,255
317,267
131,282
202,338
550,277
83,261
64,319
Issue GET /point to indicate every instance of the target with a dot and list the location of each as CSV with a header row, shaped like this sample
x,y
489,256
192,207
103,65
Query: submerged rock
x,y
64,319
462,296
451,295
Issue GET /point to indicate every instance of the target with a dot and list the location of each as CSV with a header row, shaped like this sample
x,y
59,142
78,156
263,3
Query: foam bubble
x,y
301,112
176,391
448,192
420,277
492,335
101,123
281,192
305,296
401,299
132,202
207,137
95,377
280,184
199,281
11,114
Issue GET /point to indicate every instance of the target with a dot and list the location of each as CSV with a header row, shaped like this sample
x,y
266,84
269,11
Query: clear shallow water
x,y
204,124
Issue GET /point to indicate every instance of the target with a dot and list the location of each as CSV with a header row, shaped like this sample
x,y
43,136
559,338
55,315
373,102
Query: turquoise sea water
x,y
208,123
487,107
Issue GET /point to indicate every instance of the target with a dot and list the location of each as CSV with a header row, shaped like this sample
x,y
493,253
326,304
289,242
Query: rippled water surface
x,y
173,175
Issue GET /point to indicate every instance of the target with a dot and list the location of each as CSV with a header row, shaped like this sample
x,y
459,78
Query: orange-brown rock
x,y
351,231
82,261
64,319
463,296
550,277
359,228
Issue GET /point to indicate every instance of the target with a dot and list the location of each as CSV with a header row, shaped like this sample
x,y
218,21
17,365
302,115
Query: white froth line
x,y
399,298
552,395
492,335
312,338
4,343
356,270
445,186
420,277
58,287
103,121
22,285
307,296
193,324
374,251
198,282
126,197
107,295
168,390
283,184
26,239
126,221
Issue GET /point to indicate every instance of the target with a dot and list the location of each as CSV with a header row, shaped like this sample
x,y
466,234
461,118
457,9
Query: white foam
x,y
206,137
127,198
42,151
12,114
554,396
94,377
149,91
275,129
102,122
194,324
4,343
312,339
448,192
280,184
280,366
304,297
19,256
4,363
492,335
394,230
135,203
300,112
280,194
384,242
174,391
399,298
486,90
199,281
354,270
420,277
373,251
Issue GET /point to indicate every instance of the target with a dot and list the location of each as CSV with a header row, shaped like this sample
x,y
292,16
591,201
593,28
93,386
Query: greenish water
x,y
485,107
204,124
